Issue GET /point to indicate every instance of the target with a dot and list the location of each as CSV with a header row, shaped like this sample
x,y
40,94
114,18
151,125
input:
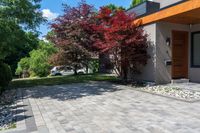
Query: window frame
x,y
192,51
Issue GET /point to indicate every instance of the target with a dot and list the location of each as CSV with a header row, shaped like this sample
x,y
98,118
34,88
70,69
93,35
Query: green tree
x,y
23,65
94,65
22,50
16,16
114,7
37,64
136,2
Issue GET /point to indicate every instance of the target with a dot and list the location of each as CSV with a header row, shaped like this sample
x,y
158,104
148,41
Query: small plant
x,y
94,65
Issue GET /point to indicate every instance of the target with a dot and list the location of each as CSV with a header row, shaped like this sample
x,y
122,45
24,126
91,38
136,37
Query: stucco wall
x,y
163,51
148,71
164,3
194,73
156,69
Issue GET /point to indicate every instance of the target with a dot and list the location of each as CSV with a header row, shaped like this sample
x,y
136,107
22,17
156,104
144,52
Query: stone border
x,y
166,96
28,123
29,117
156,94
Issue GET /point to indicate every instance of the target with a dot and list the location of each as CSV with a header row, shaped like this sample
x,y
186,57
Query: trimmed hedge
x,y
5,76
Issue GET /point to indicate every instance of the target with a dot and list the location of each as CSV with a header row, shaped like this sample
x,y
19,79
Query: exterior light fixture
x,y
168,41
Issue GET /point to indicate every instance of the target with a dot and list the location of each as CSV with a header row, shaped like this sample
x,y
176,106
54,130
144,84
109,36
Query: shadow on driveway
x,y
71,91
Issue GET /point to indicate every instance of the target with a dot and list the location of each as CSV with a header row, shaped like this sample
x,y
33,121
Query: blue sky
x,y
53,8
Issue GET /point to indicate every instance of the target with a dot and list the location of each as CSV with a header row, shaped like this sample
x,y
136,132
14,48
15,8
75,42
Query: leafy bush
x,y
5,76
94,65
23,64
23,67
37,64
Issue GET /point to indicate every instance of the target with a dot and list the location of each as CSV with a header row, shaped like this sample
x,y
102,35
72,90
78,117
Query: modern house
x,y
174,32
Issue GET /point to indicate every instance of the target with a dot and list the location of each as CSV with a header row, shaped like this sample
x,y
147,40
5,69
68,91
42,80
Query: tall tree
x,y
126,42
70,36
16,16
105,64
22,50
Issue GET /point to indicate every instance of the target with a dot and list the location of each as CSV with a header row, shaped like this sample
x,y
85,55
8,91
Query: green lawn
x,y
21,83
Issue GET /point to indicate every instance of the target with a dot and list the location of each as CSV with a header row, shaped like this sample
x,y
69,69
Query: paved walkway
x,y
103,108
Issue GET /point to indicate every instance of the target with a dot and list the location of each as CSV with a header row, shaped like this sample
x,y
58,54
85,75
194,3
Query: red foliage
x,y
118,35
74,27
71,36
106,31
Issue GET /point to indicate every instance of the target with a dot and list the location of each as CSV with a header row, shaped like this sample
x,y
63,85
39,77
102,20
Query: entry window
x,y
195,49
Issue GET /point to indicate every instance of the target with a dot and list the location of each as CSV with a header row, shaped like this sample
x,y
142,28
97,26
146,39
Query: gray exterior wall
x,y
148,71
164,3
163,51
156,69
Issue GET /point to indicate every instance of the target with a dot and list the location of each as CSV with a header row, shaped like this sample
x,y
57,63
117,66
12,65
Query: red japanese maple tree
x,y
82,31
127,43
70,35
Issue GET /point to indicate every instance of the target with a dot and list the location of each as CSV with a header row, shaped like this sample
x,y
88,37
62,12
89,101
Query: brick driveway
x,y
100,107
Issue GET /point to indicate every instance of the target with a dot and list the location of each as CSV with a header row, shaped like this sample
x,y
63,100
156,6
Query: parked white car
x,y
65,70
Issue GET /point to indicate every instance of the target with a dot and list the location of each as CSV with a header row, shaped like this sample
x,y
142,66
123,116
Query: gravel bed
x,y
175,92
7,110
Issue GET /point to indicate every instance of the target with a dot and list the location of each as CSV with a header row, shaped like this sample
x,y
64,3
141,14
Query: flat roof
x,y
187,12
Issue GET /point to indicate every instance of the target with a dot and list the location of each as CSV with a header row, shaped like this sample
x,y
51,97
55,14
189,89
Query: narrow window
x,y
195,49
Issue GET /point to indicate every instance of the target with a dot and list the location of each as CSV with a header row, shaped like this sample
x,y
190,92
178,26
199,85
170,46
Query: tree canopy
x,y
114,7
22,50
82,31
17,16
126,42
37,63
70,36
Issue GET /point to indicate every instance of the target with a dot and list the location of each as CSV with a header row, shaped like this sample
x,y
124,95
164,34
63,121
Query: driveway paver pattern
x,y
100,107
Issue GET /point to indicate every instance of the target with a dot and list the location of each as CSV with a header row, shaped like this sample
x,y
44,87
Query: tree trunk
x,y
75,70
104,61
124,64
87,69
125,73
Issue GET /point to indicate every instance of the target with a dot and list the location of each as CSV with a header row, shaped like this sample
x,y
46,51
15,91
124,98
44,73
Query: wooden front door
x,y
179,54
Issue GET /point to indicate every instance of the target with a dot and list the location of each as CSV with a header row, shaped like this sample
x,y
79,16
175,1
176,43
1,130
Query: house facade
x,y
173,27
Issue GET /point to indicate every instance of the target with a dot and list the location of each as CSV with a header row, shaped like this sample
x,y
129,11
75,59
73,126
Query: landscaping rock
x,y
6,109
176,92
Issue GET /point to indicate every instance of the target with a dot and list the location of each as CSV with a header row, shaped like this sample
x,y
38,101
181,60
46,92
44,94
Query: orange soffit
x,y
188,9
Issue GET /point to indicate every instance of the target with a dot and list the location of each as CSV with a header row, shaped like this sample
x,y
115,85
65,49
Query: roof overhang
x,y
184,13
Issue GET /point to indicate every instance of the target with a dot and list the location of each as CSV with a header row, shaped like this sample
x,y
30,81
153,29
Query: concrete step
x,y
174,81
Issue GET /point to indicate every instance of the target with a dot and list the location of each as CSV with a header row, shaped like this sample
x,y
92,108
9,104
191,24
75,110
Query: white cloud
x,y
48,14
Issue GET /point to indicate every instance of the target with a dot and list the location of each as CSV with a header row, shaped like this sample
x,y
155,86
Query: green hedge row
x,y
5,76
